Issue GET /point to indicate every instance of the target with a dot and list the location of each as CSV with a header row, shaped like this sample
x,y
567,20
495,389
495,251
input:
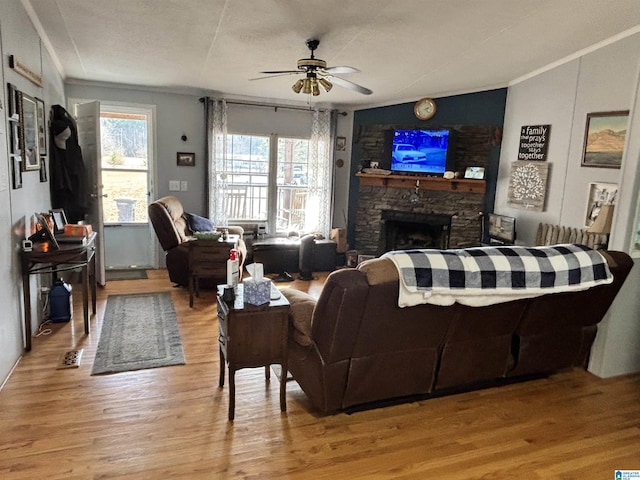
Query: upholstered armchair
x,y
171,225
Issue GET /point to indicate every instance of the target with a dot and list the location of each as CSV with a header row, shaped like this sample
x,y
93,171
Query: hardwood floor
x,y
171,423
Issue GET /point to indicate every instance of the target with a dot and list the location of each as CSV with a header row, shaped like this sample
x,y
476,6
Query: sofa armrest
x,y
300,315
235,230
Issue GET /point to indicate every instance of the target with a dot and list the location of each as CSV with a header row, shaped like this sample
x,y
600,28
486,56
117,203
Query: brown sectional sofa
x,y
354,345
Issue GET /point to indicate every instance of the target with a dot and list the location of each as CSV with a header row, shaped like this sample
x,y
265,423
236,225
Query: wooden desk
x,y
208,259
69,256
252,336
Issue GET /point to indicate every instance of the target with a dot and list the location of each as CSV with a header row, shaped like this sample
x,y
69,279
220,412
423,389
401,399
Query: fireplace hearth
x,y
408,230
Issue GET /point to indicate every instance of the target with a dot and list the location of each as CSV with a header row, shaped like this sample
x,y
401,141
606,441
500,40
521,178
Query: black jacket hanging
x,y
68,180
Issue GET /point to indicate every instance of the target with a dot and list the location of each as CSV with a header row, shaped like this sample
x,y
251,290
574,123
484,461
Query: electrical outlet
x,y
184,186
174,185
44,290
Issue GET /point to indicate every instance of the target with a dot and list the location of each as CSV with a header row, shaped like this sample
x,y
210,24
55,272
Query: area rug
x,y
126,274
138,331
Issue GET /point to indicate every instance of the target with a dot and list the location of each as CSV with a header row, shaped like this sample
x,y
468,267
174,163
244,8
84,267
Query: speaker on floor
x,y
305,264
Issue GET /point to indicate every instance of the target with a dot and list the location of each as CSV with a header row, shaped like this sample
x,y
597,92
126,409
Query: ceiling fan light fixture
x,y
306,88
315,90
326,84
297,87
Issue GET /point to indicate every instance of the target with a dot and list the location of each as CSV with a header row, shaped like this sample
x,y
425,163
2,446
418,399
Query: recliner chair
x,y
170,224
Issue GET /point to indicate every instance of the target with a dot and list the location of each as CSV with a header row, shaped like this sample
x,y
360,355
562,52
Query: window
x,y
292,181
256,178
124,164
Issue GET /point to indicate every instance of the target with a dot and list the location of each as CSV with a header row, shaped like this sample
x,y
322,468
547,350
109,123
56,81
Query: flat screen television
x,y
425,152
502,229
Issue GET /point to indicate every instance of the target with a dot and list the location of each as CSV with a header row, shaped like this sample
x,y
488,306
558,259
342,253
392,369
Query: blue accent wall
x,y
479,109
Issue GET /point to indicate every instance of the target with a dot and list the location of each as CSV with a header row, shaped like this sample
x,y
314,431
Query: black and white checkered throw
x,y
488,275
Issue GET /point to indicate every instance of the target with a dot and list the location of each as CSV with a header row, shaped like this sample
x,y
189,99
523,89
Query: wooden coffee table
x,y
252,336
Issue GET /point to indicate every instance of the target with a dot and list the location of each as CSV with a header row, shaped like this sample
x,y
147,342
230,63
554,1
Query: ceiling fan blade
x,y
343,69
274,75
282,71
350,85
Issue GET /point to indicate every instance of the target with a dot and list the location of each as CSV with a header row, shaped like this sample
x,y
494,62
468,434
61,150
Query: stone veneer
x,y
472,148
372,200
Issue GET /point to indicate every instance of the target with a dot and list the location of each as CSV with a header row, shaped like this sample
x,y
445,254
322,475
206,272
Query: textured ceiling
x,y
405,49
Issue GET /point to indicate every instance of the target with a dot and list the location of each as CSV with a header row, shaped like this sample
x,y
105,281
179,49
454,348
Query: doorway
x,y
126,138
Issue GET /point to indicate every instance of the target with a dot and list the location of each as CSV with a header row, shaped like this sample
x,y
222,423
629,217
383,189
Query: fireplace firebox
x,y
406,230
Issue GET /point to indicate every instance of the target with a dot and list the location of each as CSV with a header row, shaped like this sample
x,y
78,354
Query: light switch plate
x,y
184,185
174,185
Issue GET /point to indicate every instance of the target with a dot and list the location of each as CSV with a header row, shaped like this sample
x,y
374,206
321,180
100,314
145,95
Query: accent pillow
x,y
300,315
196,223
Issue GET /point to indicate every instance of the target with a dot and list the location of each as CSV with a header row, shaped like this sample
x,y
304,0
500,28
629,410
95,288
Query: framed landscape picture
x,y
604,139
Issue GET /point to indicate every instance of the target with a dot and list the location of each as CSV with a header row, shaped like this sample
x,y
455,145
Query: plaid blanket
x,y
488,275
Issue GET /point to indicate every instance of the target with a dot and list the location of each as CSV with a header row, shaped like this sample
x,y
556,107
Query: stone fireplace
x,y
389,217
460,202
406,230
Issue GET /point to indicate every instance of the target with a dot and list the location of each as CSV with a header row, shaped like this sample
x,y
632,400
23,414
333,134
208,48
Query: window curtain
x,y
319,201
216,114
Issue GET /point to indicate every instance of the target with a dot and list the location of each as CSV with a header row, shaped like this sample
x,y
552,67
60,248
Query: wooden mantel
x,y
426,183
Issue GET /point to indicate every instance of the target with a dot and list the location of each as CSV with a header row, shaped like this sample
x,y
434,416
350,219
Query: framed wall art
x,y
59,219
599,194
41,123
16,171
12,101
528,185
604,139
186,159
28,123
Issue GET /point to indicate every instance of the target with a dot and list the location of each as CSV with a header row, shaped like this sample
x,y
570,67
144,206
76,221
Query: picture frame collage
x,y
27,135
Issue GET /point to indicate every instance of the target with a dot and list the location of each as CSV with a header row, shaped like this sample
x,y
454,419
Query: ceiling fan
x,y
316,74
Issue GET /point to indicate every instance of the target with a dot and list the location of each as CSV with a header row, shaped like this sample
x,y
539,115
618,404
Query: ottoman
x,y
277,254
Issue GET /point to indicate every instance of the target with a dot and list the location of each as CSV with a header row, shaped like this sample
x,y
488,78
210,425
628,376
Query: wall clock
x,y
425,108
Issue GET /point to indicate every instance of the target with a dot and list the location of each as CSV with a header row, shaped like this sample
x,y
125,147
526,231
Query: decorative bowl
x,y
207,235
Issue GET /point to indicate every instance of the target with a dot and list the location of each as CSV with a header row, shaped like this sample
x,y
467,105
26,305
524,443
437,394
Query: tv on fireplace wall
x,y
420,151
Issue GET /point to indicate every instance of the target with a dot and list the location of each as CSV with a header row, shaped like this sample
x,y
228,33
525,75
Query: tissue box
x,y
257,292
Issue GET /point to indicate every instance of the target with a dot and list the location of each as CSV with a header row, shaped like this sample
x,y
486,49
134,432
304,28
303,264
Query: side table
x,y
45,259
208,259
252,336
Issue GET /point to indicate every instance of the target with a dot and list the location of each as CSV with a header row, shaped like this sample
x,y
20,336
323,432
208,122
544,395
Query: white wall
x,y
604,80
176,114
18,37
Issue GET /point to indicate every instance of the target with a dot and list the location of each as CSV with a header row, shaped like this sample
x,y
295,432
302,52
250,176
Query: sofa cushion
x,y
196,223
300,315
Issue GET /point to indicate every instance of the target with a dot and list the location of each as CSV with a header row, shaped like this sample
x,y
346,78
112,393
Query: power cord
x,y
42,330
46,321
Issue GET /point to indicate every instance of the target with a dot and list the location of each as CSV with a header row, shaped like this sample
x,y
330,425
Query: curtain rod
x,y
275,107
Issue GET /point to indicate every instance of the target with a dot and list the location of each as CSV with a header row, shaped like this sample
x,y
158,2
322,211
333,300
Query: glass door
x,y
126,164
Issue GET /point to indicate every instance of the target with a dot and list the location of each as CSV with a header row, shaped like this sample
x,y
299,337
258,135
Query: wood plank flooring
x,y
171,423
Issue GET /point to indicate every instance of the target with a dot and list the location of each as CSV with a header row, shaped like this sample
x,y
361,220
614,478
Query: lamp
x,y
315,90
297,86
326,84
306,88
602,225
311,85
